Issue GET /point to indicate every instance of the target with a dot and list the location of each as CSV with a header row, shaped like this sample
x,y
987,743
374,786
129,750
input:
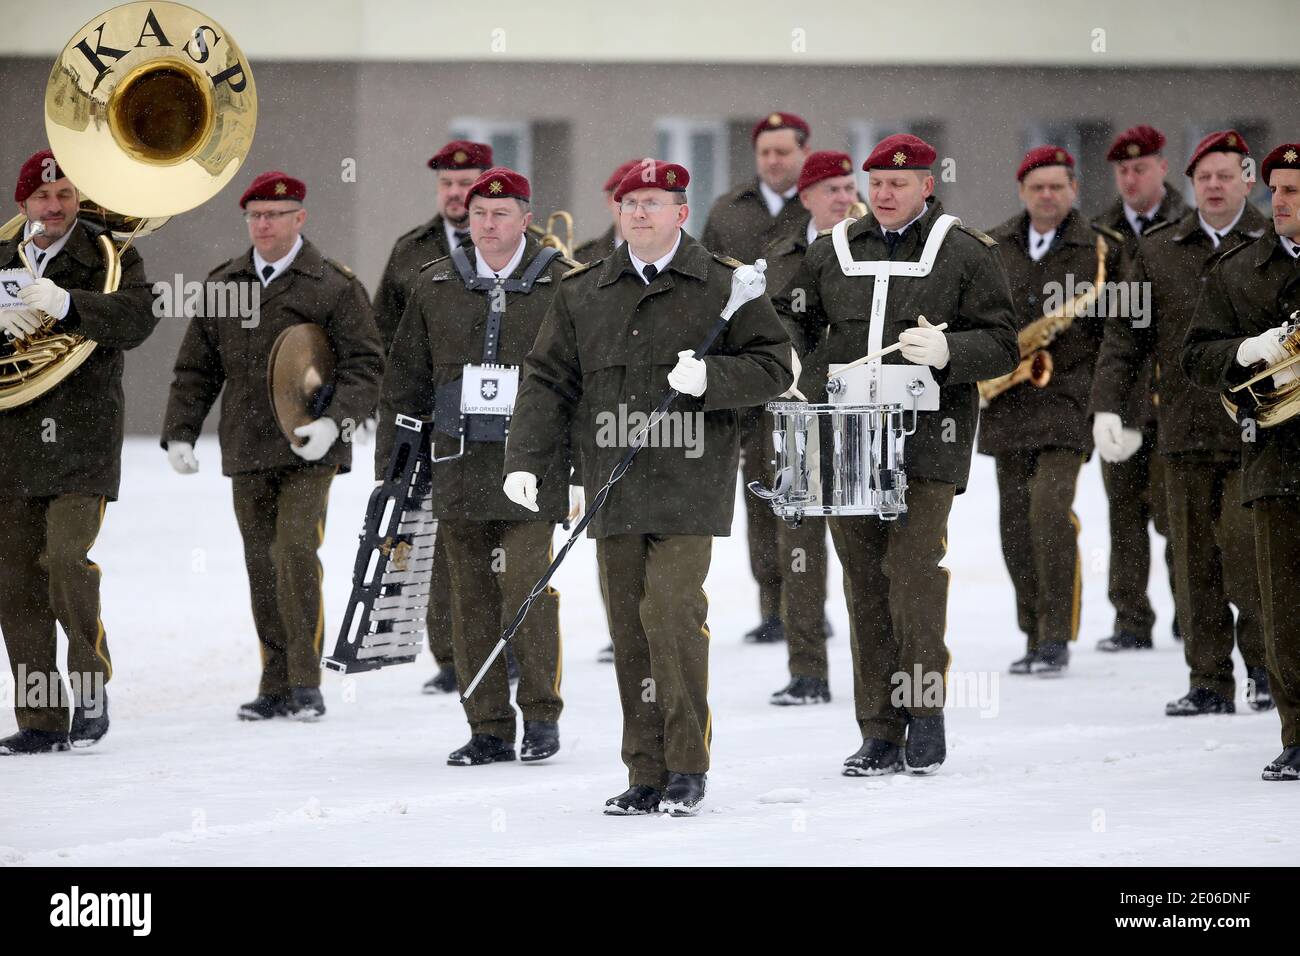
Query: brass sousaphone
x,y
150,110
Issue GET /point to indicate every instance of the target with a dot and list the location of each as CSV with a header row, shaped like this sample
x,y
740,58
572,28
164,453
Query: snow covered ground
x,y
1081,771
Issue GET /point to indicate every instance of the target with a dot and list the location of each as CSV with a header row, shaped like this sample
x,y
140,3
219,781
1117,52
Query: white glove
x,y
1266,347
43,294
521,488
364,434
21,323
1286,375
180,455
925,345
577,503
320,436
797,367
1114,442
688,375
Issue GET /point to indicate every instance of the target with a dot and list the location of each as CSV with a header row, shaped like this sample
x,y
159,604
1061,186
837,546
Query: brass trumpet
x,y
1271,406
549,237
150,110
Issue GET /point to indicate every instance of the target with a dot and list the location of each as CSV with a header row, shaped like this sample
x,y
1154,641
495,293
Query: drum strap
x,y
882,269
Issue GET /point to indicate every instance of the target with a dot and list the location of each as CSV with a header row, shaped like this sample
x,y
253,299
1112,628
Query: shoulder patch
x,y
983,237
340,267
581,269
727,261
1110,232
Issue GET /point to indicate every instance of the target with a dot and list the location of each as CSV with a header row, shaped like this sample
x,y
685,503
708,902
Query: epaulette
x,y
341,267
983,237
225,266
434,262
1111,233
581,269
727,261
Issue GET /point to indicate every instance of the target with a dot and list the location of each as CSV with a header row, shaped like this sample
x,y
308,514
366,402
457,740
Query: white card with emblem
x,y
489,389
11,280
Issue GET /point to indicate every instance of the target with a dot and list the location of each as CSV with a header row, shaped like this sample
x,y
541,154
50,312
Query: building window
x,y
511,140
700,146
863,135
1255,133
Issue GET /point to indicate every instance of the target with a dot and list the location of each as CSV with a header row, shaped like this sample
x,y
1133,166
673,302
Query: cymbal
x,y
300,377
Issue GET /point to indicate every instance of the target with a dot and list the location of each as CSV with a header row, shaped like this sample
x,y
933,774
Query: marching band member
x,y
608,241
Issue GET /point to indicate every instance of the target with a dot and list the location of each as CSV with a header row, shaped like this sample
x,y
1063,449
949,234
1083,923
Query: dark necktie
x,y
650,272
1038,245
892,239
461,237
266,272
40,257
1144,223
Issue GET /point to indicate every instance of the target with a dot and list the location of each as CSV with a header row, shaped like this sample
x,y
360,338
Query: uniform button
x,y
636,332
632,398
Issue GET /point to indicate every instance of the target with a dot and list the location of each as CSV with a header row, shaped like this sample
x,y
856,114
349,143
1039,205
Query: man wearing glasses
x,y
617,336
281,487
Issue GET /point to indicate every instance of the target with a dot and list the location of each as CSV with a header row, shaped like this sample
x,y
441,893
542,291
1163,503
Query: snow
x,y
1085,770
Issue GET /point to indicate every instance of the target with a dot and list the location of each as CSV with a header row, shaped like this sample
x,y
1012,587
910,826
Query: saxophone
x,y
1035,361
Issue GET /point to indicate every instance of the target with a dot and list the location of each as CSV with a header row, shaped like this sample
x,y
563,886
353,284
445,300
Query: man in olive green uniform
x,y
897,589
604,245
741,224
456,165
1238,331
615,331
1040,437
827,188
1135,491
281,487
1213,543
482,307
61,464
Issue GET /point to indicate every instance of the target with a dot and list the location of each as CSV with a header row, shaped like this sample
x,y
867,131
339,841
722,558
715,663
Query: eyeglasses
x,y
268,216
651,206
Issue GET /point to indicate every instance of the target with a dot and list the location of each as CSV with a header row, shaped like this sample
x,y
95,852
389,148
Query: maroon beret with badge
x,y
617,175
1286,156
462,154
1134,142
779,120
1041,156
32,176
653,174
274,185
824,164
901,151
500,183
1223,141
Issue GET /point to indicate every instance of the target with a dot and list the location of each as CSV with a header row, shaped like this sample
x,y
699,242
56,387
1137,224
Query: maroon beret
x,y
32,176
1136,141
617,175
1286,156
500,183
274,185
653,174
824,164
775,121
462,154
1041,156
901,151
1223,141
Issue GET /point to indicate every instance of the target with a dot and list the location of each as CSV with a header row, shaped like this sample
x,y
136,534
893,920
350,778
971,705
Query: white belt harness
x,y
882,269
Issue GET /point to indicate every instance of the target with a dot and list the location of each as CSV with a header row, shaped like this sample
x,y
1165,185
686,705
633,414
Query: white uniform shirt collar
x,y
1291,247
1215,234
450,232
925,207
1132,214
277,267
487,272
776,201
812,231
35,252
659,264
1039,242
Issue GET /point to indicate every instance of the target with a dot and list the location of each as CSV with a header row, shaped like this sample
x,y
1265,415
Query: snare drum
x,y
838,460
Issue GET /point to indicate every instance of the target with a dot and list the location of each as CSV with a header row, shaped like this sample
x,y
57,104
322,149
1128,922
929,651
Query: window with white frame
x,y
511,140
700,146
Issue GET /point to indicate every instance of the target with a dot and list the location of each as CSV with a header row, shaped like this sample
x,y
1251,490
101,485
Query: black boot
x,y
1051,660
926,745
874,758
683,795
481,749
1285,766
634,801
89,721
443,682
605,655
541,740
770,631
1124,641
33,742
1024,665
305,703
802,690
1261,695
264,707
1199,701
